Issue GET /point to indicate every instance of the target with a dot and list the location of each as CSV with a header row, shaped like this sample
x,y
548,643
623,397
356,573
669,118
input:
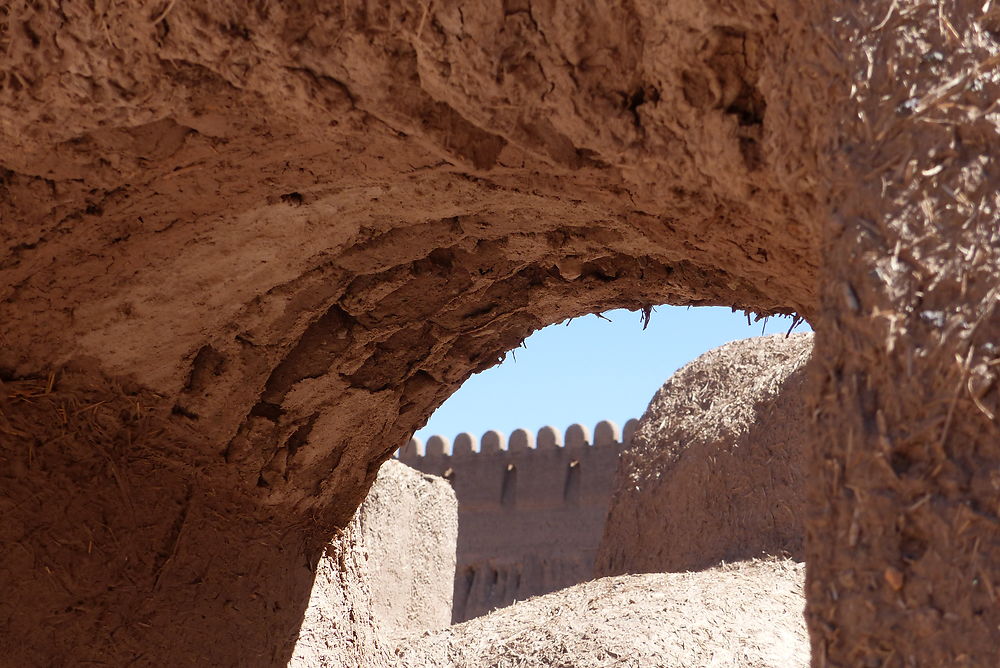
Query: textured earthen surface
x,y
716,468
303,226
904,534
529,518
387,574
410,528
110,518
746,615
339,627
294,228
290,219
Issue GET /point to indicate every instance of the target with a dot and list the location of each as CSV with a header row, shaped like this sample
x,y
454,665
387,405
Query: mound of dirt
x,y
742,615
715,471
390,572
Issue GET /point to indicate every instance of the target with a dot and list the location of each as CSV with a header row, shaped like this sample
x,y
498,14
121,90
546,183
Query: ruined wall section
x,y
531,510
387,574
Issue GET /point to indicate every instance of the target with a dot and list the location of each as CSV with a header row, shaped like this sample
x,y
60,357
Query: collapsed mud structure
x,y
715,469
249,247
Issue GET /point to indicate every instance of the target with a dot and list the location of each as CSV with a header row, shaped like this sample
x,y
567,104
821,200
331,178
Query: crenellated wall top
x,y
605,433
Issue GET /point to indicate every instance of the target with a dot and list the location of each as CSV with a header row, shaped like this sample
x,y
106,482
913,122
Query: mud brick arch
x,y
249,247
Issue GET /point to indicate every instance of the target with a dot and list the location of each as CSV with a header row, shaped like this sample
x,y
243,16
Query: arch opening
x,y
543,499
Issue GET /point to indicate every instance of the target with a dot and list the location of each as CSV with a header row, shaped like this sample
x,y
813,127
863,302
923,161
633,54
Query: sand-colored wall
x,y
531,510
410,525
387,574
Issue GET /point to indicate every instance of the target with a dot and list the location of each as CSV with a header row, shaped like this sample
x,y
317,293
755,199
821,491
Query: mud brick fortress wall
x,y
531,510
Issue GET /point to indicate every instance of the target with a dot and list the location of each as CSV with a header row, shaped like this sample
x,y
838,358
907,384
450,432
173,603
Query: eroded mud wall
x,y
904,541
120,544
410,524
301,226
717,467
387,574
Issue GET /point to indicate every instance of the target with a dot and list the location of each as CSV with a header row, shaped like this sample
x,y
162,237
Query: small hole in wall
x,y
508,492
292,199
466,583
571,488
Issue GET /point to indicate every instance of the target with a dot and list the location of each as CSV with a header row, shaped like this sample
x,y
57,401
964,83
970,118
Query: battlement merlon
x,y
606,433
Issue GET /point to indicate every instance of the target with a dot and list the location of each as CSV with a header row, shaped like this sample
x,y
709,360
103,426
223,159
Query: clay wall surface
x,y
387,574
531,511
716,468
410,525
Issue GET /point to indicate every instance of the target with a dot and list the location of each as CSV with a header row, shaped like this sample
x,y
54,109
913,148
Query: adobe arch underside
x,y
269,239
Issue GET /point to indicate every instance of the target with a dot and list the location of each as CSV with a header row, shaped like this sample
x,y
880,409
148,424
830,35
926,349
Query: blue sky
x,y
589,370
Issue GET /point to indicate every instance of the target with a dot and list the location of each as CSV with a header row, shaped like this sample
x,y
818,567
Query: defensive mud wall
x,y
531,510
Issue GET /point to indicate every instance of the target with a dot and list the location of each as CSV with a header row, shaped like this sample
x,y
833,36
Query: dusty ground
x,y
746,615
716,470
